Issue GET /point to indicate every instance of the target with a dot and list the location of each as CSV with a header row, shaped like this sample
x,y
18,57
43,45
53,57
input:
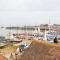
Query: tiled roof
x,y
3,58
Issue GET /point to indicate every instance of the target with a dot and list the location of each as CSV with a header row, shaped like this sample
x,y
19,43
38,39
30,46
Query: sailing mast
x,y
17,30
10,32
49,25
45,34
39,30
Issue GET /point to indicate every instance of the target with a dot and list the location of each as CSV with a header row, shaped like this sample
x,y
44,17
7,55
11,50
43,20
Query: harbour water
x,y
4,31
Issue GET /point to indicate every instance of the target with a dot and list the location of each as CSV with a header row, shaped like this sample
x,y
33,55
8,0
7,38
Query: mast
x,y
25,28
45,33
39,30
17,30
10,32
35,30
49,25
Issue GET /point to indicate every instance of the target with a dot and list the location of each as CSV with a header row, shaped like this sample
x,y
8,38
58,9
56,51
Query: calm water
x,y
4,32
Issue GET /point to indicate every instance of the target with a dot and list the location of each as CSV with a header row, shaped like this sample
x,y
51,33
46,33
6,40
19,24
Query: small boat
x,y
2,44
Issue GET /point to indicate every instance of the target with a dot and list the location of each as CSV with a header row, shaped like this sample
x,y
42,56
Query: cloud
x,y
30,5
46,5
21,5
29,12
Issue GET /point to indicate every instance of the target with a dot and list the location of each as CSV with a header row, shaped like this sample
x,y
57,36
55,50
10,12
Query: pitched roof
x,y
3,58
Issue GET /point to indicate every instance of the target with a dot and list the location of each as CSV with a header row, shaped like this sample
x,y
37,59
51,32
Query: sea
x,y
4,31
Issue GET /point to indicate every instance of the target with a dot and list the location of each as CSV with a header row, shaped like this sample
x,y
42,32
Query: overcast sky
x,y
29,12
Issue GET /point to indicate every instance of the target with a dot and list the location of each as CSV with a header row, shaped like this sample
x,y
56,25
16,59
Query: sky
x,y
29,12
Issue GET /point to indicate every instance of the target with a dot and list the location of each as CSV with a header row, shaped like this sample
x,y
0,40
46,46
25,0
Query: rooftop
x,y
2,58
